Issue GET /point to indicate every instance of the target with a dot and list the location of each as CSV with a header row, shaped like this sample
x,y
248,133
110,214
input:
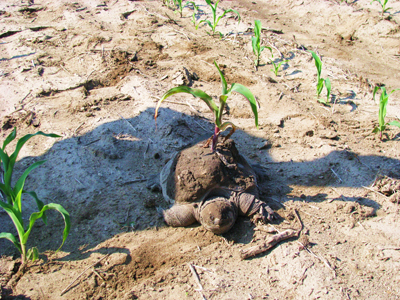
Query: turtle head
x,y
218,215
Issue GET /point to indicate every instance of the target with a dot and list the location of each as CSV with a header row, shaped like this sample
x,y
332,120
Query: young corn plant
x,y
195,10
215,109
12,199
276,66
180,6
216,19
383,5
256,42
321,81
382,110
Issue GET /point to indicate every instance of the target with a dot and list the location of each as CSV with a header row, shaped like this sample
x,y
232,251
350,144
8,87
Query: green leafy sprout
x,y
276,66
215,109
382,110
256,42
216,19
383,5
195,10
12,198
321,81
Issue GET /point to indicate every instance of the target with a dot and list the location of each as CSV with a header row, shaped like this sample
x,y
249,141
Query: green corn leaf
x,y
255,45
320,86
233,11
39,204
15,216
328,88
11,238
382,107
257,28
10,138
21,181
185,89
33,254
223,81
38,215
318,63
376,129
20,144
374,93
394,123
241,89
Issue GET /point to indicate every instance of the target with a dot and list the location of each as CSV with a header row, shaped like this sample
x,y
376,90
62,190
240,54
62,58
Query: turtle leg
x,y
250,205
153,183
179,215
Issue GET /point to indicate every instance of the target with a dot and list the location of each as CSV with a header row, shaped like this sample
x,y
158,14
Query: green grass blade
x,y
223,81
11,238
185,89
38,215
9,138
241,89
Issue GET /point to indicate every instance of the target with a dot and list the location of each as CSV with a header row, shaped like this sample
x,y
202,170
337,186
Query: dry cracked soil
x,y
92,71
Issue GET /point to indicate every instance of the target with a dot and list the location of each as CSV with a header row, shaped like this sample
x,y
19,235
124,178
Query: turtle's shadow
x,y
100,178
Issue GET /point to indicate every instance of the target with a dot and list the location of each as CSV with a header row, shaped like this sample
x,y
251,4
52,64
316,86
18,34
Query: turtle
x,y
212,188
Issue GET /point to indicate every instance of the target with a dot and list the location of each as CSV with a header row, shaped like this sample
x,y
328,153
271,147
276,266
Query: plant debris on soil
x,y
92,71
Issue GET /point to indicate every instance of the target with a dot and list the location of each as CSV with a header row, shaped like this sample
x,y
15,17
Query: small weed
x,y
215,109
321,81
382,110
12,197
216,19
383,5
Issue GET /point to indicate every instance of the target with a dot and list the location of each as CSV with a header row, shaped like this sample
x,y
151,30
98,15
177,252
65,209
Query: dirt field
x,y
92,71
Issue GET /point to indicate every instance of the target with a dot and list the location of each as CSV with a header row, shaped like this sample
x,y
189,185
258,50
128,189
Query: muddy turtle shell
x,y
196,173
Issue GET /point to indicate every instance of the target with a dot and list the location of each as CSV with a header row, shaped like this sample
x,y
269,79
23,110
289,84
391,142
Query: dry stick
x,y
127,122
365,187
268,244
338,177
197,279
92,265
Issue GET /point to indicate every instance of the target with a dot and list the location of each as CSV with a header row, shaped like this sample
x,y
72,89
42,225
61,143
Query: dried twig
x,y
127,122
92,265
337,176
197,279
372,190
268,243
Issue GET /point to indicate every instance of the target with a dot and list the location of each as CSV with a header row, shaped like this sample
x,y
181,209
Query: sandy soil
x,y
92,71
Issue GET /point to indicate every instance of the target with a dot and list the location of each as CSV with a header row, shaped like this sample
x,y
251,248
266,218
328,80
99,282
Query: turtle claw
x,y
265,215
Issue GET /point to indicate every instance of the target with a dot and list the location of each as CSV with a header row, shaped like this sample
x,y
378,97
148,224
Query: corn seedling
x,y
215,109
382,110
178,3
276,66
216,19
321,81
195,10
256,43
12,198
383,5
